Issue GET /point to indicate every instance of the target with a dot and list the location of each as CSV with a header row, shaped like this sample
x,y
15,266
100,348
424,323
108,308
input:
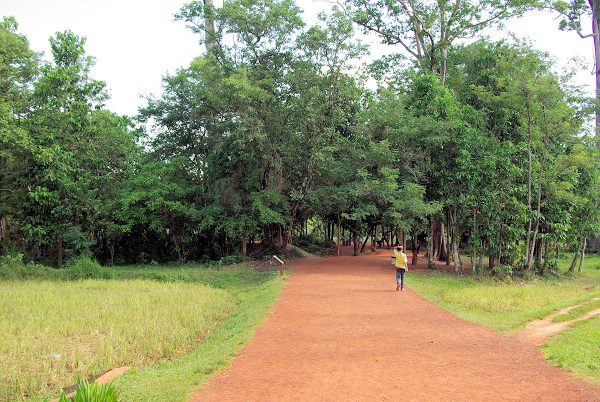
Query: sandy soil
x,y
340,332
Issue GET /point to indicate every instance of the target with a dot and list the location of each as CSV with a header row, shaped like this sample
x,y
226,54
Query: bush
x,y
11,261
503,271
315,246
93,392
85,268
230,260
13,268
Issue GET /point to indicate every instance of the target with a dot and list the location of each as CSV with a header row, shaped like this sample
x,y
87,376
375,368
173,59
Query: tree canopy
x,y
477,147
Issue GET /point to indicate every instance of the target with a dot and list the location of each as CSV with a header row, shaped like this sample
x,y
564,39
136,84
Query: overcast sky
x,y
136,42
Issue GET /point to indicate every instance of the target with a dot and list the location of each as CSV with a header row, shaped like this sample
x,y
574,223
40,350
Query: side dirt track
x,y
340,332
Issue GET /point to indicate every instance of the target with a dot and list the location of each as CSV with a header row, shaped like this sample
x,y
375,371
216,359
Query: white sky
x,y
136,42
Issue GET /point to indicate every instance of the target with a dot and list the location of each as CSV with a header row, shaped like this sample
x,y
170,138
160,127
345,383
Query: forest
x,y
474,149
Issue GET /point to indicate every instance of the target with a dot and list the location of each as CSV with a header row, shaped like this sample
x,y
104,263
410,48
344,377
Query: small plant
x,y
85,268
93,392
11,261
230,259
503,270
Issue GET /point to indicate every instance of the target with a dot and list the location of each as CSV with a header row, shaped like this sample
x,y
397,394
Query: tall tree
x,y
426,29
64,99
18,68
572,12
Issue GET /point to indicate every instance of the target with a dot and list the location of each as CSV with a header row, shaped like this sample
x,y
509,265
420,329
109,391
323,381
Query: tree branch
x,y
392,39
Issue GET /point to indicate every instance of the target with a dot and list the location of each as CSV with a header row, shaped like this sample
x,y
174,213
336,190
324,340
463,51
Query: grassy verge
x,y
53,332
175,380
507,307
577,349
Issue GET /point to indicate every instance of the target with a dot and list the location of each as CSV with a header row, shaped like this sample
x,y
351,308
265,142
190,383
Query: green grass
x,y
578,311
184,323
53,332
503,306
577,349
214,276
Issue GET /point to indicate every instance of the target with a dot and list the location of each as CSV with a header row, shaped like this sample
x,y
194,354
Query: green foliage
x,y
93,392
85,268
277,128
314,245
503,271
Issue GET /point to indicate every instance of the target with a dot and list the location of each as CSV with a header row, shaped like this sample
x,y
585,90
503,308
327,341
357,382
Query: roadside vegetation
x,y
508,305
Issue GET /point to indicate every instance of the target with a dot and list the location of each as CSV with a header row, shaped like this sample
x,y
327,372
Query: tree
x,y
426,30
572,11
18,69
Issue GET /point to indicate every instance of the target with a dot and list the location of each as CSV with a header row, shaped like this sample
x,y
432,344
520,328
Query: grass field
x,y
52,332
507,306
160,319
577,349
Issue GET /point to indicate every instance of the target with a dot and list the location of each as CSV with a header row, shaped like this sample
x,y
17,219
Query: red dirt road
x,y
340,332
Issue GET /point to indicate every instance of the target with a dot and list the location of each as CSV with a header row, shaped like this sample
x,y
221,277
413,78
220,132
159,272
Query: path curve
x,y
339,332
538,331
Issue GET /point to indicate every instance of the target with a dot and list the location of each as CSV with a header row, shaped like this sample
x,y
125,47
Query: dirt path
x,y
339,332
538,331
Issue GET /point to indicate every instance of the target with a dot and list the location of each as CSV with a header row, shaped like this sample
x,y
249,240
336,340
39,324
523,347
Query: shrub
x,y
11,261
314,245
13,268
230,259
85,268
503,271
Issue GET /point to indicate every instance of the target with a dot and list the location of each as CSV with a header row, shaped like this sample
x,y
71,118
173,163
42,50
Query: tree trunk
x,y
446,238
581,260
111,249
355,242
575,257
529,180
362,249
244,244
430,242
594,4
59,251
414,241
3,234
443,62
339,232
454,238
209,26
437,242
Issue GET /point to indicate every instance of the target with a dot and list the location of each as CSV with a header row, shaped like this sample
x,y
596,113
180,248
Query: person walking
x,y
401,267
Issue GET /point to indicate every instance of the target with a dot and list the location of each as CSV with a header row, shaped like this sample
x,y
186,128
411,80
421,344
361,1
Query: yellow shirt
x,y
401,260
